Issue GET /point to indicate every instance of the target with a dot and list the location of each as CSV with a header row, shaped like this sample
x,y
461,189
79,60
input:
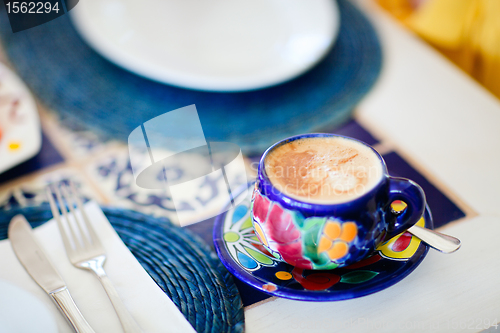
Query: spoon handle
x,y
441,242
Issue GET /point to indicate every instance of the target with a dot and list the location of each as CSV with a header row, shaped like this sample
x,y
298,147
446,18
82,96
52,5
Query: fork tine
x,y
57,215
62,204
76,197
70,198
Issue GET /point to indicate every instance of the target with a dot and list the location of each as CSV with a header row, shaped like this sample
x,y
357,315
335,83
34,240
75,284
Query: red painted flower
x,y
260,207
276,230
315,281
280,227
402,242
402,246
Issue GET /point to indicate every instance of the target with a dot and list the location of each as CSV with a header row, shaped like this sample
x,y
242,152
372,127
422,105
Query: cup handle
x,y
410,193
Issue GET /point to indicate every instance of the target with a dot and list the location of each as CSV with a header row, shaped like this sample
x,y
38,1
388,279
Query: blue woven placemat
x,y
178,261
86,89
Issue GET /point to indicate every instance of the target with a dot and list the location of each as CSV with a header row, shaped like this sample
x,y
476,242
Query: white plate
x,y
214,45
21,312
20,132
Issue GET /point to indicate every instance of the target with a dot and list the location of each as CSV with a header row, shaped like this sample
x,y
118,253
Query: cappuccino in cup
x,y
323,201
323,170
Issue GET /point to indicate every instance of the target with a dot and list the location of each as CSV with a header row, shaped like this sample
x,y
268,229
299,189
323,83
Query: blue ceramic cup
x,y
325,235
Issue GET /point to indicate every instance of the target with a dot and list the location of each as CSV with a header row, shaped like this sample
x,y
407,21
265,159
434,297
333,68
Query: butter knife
x,y
38,265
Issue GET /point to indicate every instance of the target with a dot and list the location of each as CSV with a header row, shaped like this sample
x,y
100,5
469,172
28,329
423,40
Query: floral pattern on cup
x,y
252,255
290,236
278,231
336,239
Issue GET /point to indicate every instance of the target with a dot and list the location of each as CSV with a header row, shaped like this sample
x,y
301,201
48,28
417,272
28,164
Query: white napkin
x,y
150,307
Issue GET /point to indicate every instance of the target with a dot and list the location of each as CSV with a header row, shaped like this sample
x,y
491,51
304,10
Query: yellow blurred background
x,y
465,31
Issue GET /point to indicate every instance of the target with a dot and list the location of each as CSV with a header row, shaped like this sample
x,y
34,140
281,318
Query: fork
x,y
86,251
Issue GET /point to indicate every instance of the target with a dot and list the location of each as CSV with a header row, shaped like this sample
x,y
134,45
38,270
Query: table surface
x,y
427,109
439,121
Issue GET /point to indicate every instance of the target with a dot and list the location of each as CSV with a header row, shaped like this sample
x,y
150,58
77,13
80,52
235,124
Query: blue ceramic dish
x,y
247,259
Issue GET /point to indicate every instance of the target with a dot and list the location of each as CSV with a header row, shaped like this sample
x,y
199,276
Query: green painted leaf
x,y
258,256
321,259
298,219
247,224
311,231
356,277
313,223
330,265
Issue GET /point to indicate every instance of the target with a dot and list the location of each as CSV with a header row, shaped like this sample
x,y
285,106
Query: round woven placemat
x,y
178,261
86,89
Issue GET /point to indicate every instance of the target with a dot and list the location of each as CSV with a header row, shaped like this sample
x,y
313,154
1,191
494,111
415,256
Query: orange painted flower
x,y
336,239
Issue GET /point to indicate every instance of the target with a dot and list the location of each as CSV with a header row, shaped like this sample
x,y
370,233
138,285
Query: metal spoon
x,y
441,242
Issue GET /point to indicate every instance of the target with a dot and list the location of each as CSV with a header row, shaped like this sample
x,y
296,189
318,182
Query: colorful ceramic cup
x,y
325,236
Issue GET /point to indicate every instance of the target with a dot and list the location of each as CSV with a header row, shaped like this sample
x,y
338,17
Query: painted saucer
x,y
245,257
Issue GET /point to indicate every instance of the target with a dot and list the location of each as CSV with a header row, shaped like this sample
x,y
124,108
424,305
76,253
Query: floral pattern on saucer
x,y
250,261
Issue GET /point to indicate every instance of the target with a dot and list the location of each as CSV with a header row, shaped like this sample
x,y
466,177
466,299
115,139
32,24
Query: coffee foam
x,y
325,170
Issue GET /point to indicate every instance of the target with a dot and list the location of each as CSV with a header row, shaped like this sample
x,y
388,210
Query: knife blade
x,y
37,264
